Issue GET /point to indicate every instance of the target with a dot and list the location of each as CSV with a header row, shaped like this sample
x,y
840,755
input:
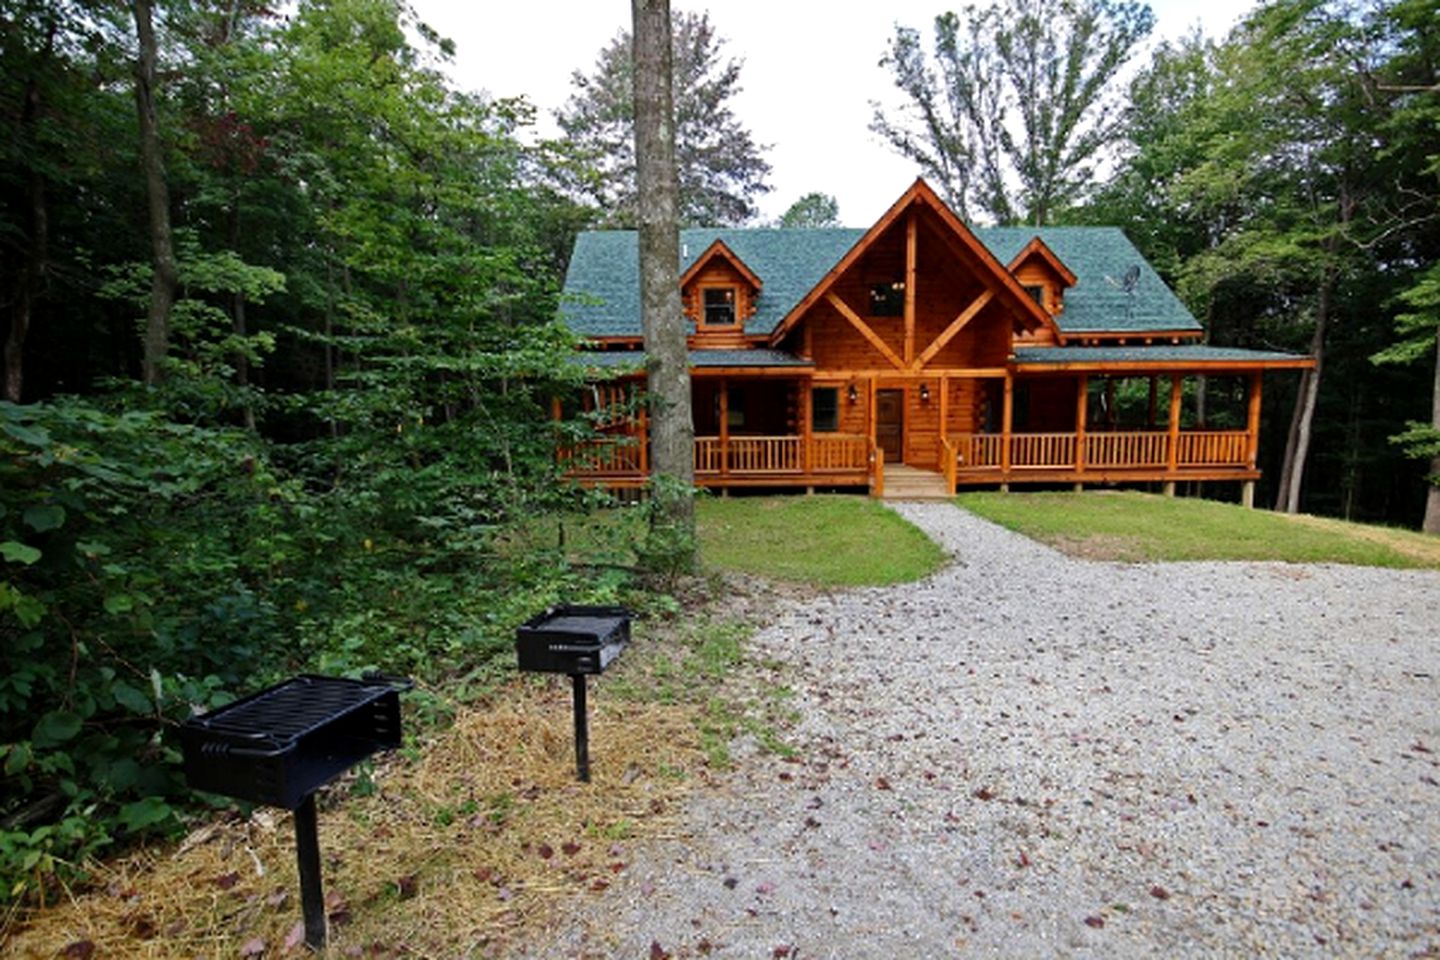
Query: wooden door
x,y
890,424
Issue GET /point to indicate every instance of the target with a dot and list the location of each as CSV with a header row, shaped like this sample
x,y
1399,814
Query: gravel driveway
x,y
1030,755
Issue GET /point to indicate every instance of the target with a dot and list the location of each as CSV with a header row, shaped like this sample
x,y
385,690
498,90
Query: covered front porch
x,y
1048,417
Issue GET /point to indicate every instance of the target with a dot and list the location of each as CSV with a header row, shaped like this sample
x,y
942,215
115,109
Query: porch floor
x,y
913,483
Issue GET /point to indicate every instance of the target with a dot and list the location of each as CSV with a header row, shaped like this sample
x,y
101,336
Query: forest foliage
x,y
354,395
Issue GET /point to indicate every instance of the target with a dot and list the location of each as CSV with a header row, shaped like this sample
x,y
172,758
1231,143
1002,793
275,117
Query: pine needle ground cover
x,y
461,841
1140,527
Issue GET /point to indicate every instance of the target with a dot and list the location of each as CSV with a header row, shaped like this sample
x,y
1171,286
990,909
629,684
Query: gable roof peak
x,y
719,250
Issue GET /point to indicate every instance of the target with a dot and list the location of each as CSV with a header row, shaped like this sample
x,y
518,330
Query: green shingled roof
x,y
615,359
603,287
1179,353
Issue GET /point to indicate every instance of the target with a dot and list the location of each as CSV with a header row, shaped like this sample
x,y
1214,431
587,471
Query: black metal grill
x,y
282,744
578,640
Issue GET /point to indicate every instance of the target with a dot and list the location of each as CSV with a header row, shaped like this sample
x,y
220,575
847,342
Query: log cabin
x,y
915,357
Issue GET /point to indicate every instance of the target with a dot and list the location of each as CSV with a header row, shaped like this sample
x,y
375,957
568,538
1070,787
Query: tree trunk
x,y
242,362
1297,447
662,319
166,276
1432,498
31,276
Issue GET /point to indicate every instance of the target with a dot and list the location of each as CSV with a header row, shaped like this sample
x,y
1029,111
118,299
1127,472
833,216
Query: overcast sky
x,y
810,72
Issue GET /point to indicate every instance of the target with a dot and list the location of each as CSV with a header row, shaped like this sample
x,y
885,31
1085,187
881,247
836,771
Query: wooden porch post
x,y
1006,415
870,405
1252,435
645,444
805,427
1082,413
944,407
724,427
1172,461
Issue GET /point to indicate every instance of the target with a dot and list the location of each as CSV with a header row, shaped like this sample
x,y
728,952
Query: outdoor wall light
x,y
852,393
924,393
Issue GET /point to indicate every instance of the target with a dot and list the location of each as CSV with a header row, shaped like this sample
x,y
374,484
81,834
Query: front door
x,y
890,424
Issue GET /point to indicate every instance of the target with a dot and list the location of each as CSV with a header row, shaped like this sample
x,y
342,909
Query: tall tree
x,y
1050,63
662,318
812,210
720,167
166,277
1409,86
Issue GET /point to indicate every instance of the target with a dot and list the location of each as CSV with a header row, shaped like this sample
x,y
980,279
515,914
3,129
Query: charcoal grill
x,y
280,745
579,641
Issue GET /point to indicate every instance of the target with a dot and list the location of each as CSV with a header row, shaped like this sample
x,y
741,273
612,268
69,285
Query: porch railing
x,y
1118,450
830,453
604,456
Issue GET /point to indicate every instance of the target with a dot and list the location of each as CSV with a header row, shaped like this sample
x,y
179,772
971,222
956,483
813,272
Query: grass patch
x,y
824,541
1141,527
827,541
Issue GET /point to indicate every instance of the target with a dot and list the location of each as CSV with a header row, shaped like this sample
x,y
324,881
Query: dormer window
x,y
719,306
1037,292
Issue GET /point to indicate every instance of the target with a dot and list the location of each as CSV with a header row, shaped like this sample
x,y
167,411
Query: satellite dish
x,y
1127,285
1132,278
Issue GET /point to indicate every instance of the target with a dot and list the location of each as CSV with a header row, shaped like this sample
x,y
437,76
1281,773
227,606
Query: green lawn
x,y
821,540
1140,527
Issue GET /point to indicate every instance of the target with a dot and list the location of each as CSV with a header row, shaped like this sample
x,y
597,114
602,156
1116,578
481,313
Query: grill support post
x,y
307,855
582,729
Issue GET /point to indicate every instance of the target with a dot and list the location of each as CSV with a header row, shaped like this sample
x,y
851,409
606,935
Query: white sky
x,y
810,72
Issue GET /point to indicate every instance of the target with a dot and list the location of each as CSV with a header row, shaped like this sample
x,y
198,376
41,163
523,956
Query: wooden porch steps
x,y
912,483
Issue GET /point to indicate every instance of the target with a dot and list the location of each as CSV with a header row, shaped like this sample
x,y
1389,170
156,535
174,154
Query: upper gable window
x,y
887,299
719,306
1037,292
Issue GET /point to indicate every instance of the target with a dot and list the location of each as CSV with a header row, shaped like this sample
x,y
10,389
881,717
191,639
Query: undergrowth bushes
x,y
149,568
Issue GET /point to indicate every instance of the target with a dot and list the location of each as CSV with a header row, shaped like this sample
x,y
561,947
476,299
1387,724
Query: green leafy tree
x,y
721,168
812,210
1019,105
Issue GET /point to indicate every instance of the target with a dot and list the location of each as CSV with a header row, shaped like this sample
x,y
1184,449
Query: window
x,y
719,306
825,409
887,299
1037,293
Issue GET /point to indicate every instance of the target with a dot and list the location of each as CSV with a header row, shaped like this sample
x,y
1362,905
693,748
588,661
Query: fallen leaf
x,y
79,950
704,947
408,885
253,947
882,784
296,936
1159,892
546,851
658,952
781,952
570,848
616,867
1023,861
983,794
1095,922
765,889
227,880
731,883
